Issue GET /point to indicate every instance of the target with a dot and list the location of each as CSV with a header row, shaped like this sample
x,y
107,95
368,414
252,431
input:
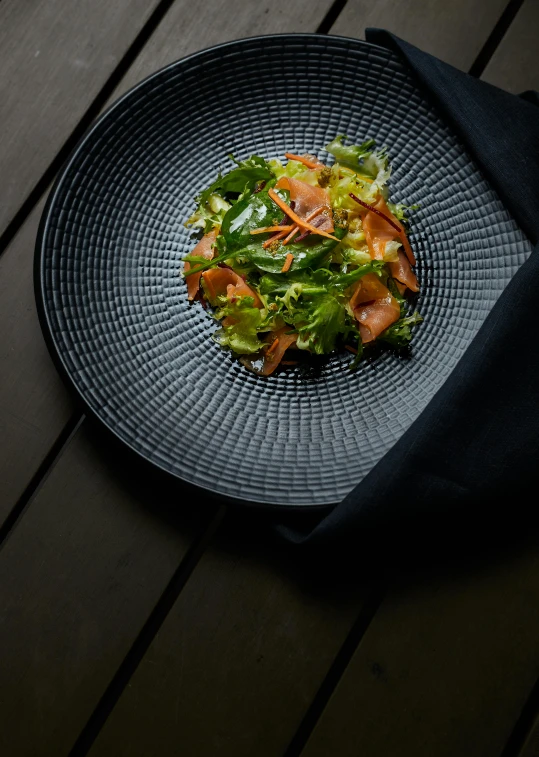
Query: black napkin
x,y
477,442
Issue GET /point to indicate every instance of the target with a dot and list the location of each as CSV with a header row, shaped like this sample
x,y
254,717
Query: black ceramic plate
x,y
114,307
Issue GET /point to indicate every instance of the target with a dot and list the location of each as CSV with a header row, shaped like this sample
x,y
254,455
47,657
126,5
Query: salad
x,y
304,256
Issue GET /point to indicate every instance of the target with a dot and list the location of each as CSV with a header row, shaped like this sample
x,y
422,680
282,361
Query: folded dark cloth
x,y
477,442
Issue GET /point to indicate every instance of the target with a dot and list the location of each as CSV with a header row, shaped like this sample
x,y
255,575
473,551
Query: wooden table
x,y
135,623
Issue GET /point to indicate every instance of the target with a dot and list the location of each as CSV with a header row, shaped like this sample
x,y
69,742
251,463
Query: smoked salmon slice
x,y
307,199
226,281
402,271
378,232
376,317
205,250
279,341
367,289
374,307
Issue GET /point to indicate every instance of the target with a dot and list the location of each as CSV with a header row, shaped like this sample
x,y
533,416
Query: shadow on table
x,y
410,553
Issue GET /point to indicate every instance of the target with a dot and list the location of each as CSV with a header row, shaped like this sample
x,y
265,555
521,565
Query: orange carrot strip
x,y
273,346
299,221
350,349
291,235
316,212
274,238
305,161
287,263
272,228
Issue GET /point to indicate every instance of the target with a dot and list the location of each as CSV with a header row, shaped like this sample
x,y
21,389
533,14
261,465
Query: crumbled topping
x,y
274,247
340,218
325,175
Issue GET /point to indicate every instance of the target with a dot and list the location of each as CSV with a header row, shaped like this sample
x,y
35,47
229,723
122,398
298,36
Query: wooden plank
x,y
236,663
453,31
80,574
217,22
443,669
446,669
72,606
34,405
238,660
55,56
514,66
34,408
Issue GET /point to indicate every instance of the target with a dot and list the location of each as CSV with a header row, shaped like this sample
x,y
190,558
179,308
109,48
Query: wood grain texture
x,y
453,31
55,56
80,574
184,32
87,561
34,405
515,65
443,670
236,663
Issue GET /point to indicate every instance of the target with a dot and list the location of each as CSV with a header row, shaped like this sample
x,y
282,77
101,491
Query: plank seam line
x,y
145,637
495,37
337,668
333,13
40,476
84,123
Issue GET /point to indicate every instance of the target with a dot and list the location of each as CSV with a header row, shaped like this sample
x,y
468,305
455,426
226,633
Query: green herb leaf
x,y
344,280
399,334
319,323
242,335
307,254
352,156
254,212
246,176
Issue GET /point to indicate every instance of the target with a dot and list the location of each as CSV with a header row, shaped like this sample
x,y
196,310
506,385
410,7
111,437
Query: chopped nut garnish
x,y
325,175
274,246
273,306
355,225
340,218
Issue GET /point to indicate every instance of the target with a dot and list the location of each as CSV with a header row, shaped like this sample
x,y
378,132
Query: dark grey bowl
x,y
113,306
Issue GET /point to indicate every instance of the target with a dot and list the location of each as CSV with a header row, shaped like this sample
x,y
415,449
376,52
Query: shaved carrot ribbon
x,y
271,228
273,347
292,234
295,229
305,161
287,263
299,221
276,237
316,212
350,348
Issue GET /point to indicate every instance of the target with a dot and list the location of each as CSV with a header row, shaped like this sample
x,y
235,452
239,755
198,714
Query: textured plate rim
x,y
39,283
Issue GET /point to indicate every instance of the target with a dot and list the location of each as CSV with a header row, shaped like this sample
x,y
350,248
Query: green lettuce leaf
x,y
253,212
242,335
352,156
399,333
247,174
307,254
319,324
